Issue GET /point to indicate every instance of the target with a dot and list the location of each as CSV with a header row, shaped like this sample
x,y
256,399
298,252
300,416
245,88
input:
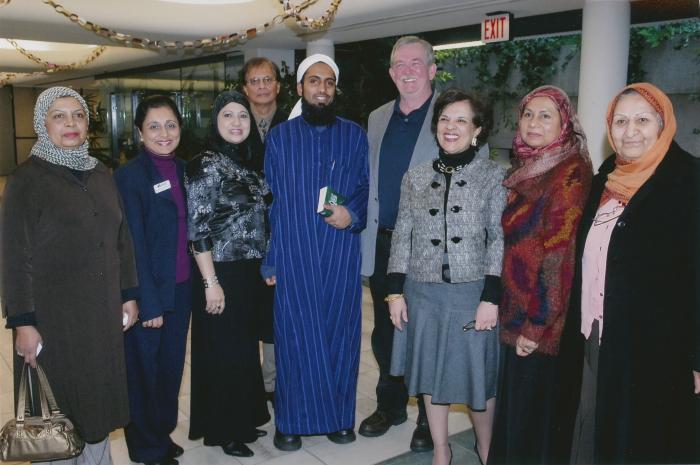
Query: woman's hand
x,y
216,300
398,312
131,310
271,281
26,343
156,322
486,316
524,346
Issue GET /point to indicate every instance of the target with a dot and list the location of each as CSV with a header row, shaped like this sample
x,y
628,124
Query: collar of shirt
x,y
416,115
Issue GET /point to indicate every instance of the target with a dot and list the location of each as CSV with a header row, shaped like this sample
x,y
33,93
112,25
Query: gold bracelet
x,y
393,297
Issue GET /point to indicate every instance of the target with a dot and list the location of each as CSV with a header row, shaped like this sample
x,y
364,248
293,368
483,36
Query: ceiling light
x,y
39,46
473,43
207,2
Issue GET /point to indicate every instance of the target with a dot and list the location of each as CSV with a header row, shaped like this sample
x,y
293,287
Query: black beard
x,y
318,115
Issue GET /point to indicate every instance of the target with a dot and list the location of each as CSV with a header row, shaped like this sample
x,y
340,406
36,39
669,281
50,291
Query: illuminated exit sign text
x,y
495,28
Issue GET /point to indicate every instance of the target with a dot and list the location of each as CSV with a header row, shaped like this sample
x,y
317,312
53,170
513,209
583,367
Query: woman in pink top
x,y
635,315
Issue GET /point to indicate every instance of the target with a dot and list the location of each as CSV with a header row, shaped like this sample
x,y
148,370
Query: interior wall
x,y
24,99
7,132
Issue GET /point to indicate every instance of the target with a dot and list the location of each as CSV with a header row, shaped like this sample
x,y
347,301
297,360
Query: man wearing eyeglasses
x,y
261,84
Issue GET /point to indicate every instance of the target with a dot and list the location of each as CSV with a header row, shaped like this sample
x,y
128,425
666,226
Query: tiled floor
x,y
392,448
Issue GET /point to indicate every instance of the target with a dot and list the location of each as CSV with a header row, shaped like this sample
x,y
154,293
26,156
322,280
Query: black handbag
x,y
51,436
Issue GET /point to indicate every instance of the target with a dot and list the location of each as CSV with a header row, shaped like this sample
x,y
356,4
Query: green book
x,y
328,196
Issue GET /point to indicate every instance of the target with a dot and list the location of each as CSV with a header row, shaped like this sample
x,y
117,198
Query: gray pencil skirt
x,y
434,353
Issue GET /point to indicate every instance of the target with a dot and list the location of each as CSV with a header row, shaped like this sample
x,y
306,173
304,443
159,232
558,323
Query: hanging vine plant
x,y
680,35
537,61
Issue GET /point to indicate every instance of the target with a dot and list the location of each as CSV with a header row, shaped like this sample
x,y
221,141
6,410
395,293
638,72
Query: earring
x,y
474,141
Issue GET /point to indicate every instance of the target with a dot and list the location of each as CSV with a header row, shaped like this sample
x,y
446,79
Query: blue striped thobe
x,y
318,295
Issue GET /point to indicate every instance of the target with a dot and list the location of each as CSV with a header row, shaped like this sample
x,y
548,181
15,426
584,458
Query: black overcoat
x,y
645,400
66,256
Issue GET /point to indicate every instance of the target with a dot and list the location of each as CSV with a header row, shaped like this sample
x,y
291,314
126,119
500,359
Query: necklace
x,y
448,169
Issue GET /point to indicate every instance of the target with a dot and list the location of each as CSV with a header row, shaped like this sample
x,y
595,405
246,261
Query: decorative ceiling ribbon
x,y
289,11
53,67
222,41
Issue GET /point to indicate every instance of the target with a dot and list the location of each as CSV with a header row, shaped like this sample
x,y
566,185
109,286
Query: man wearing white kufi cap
x,y
314,260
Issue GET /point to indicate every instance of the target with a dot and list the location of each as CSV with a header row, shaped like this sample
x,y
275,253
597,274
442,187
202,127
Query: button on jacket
x,y
470,229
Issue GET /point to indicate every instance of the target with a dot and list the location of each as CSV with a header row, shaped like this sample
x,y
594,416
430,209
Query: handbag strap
x,y
22,395
49,407
45,388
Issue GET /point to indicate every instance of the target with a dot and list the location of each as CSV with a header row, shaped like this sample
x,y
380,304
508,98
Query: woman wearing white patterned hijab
x,y
61,119
68,278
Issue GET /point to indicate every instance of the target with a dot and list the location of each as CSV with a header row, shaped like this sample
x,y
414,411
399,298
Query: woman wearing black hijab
x,y
227,203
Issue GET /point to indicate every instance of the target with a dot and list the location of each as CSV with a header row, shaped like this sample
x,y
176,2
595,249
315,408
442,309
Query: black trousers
x,y
392,395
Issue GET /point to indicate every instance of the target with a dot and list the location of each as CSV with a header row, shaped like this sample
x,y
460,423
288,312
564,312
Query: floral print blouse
x,y
227,207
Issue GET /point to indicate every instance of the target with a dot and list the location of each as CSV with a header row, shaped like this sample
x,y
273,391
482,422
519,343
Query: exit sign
x,y
495,28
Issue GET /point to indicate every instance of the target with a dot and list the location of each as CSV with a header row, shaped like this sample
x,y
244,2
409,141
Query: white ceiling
x,y
156,19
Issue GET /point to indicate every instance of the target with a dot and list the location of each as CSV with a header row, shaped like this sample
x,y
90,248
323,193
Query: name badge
x,y
161,186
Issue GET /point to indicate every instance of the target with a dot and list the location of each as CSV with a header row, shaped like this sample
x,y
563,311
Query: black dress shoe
x,y
286,442
237,449
166,461
421,440
379,423
175,450
344,436
259,433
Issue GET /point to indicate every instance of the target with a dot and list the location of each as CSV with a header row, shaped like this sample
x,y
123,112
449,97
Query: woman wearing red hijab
x,y
548,185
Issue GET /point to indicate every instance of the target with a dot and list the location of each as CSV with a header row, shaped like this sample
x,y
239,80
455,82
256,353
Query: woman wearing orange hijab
x,y
635,303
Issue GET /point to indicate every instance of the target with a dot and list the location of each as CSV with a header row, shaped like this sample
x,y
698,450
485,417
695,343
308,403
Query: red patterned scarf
x,y
529,162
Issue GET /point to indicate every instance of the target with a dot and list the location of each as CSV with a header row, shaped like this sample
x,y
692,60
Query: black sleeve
x,y
22,319
492,289
395,282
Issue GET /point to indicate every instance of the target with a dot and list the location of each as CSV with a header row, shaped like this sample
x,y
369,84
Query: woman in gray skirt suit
x,y
445,263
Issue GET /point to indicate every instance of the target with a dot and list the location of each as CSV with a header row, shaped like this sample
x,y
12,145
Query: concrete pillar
x,y
280,56
324,46
604,55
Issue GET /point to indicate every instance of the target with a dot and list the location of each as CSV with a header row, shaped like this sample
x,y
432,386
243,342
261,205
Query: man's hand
x,y
26,343
340,218
696,378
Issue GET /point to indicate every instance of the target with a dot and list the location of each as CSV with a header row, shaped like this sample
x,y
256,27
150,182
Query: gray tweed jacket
x,y
471,227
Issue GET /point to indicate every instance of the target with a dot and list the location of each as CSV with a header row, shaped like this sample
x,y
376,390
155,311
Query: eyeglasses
x,y
266,81
605,217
